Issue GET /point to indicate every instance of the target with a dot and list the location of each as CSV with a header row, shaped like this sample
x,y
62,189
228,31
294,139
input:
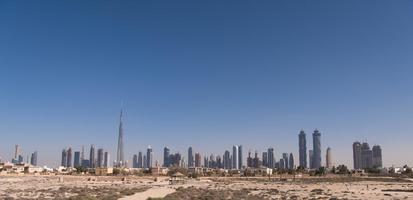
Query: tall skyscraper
x,y
302,144
166,152
265,159
145,161
227,160
100,159
377,157
357,155
291,161
135,161
197,160
64,158
316,149
82,154
311,156
33,159
240,157
270,158
92,160
16,152
69,157
140,160
120,156
366,156
235,157
190,157
106,160
329,163
149,157
286,163
77,161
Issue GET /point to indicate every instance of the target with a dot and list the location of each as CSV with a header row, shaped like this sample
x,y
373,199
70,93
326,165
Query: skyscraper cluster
x,y
366,158
142,160
101,160
18,157
314,154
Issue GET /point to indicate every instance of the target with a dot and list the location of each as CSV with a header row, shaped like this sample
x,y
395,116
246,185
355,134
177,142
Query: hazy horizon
x,y
206,74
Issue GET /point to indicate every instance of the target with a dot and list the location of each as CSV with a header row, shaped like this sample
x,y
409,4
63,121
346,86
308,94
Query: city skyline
x,y
206,74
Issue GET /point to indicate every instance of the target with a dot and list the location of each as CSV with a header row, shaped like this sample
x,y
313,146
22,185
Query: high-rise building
x,y
190,157
377,158
69,157
64,158
166,153
329,163
240,157
286,163
265,159
149,157
33,159
270,158
120,155
206,162
235,157
311,156
291,162
227,160
100,159
82,154
77,162
357,155
145,161
366,156
197,160
249,159
92,160
16,152
316,149
135,161
106,160
302,144
256,160
140,160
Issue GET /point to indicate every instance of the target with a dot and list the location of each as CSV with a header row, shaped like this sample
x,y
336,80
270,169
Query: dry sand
x,y
111,187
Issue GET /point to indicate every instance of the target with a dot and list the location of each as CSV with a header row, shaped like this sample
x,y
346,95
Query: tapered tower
x,y
120,155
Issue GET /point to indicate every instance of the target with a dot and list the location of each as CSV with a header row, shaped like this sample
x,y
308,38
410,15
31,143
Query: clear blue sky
x,y
208,74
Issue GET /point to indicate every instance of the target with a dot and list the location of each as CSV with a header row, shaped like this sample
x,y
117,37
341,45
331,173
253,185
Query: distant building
x,y
377,157
286,163
357,155
33,159
145,161
291,161
166,153
235,157
265,159
310,156
249,160
366,156
92,160
69,157
329,163
256,161
270,158
100,159
240,157
197,160
316,149
77,162
191,162
149,157
140,160
135,161
64,158
120,161
302,144
227,160
106,160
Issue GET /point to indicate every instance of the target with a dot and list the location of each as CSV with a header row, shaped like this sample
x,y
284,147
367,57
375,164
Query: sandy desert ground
x,y
131,188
